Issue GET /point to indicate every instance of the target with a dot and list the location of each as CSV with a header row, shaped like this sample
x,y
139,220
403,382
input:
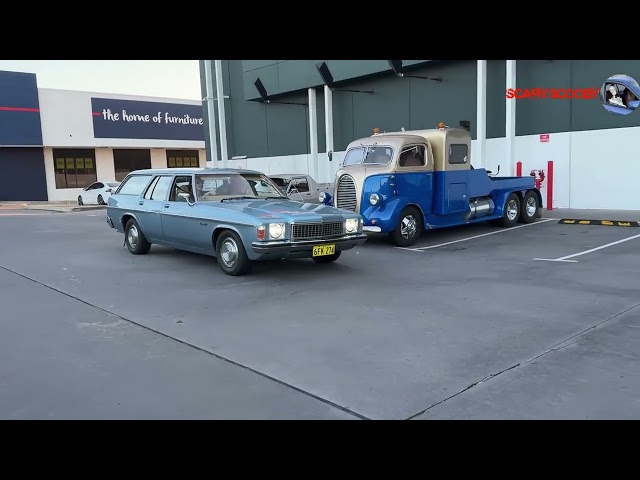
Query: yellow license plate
x,y
322,250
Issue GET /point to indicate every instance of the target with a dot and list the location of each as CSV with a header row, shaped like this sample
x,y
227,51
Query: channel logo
x,y
620,94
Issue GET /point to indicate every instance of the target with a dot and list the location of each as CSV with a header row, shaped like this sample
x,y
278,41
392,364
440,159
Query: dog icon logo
x,y
620,94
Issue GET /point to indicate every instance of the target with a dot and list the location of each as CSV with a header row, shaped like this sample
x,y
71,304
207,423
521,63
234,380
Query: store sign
x,y
19,110
132,119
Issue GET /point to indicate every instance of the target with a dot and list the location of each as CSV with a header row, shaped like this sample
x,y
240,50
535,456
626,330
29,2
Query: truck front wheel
x,y
511,211
408,229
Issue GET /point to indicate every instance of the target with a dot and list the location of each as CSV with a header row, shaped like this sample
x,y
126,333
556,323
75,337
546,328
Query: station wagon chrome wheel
x,y
408,226
531,206
229,252
512,210
132,236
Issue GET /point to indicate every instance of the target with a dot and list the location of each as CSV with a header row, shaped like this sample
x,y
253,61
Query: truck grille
x,y
301,231
346,194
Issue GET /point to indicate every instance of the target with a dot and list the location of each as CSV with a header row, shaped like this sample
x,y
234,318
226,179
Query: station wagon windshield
x,y
376,155
215,187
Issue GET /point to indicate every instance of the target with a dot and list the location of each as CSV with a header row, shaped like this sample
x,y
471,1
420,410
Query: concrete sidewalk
x,y
591,214
63,207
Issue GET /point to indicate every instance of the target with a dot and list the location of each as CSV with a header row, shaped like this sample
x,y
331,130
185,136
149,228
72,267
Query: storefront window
x,y
183,158
127,160
74,168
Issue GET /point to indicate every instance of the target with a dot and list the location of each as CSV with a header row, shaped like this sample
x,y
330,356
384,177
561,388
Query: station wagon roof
x,y
190,171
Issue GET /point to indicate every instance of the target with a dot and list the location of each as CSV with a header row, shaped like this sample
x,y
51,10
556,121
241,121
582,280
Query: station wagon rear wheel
x,y
511,213
231,254
408,228
529,207
135,240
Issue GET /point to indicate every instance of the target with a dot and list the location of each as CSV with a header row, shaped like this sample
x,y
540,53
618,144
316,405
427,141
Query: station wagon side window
x,y
134,185
458,154
181,184
147,194
159,188
414,156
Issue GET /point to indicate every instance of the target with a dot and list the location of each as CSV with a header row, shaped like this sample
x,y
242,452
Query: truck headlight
x,y
276,231
351,225
374,198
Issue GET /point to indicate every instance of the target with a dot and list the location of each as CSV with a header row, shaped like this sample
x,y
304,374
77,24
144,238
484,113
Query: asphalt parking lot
x,y
471,323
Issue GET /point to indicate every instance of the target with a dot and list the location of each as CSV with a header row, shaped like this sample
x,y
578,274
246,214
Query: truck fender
x,y
400,204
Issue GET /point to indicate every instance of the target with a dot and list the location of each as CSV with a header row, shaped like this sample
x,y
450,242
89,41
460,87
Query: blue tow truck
x,y
403,183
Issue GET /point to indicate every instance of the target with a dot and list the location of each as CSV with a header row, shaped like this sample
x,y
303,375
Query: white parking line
x,y
420,249
566,258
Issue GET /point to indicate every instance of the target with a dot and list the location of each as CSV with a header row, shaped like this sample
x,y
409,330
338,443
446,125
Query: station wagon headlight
x,y
276,231
351,225
374,198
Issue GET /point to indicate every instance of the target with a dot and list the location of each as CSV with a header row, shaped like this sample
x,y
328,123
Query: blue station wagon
x,y
237,216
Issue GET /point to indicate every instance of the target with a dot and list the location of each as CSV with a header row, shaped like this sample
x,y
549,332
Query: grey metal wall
x,y
257,130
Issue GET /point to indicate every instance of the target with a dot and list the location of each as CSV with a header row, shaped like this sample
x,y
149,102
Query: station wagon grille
x,y
315,230
346,194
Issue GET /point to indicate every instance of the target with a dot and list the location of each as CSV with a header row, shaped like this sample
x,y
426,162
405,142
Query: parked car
x,y
302,188
237,216
97,193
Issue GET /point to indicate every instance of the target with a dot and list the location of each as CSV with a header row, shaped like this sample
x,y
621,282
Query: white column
x,y
313,133
221,114
481,119
211,114
328,117
510,126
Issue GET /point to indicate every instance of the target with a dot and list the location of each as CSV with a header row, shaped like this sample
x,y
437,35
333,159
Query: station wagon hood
x,y
286,210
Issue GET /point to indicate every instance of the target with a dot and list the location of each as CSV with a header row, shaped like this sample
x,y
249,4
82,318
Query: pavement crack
x,y
215,355
567,342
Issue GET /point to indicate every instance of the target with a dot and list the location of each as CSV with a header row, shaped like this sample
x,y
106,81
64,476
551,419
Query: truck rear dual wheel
x,y
408,229
511,212
530,205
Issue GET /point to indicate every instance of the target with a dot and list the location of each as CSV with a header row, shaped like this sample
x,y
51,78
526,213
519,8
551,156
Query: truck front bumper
x,y
303,248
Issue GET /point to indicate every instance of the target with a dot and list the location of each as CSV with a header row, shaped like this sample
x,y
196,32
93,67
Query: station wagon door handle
x,y
167,205
141,202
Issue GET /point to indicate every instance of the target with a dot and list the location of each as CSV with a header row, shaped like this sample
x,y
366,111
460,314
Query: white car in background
x,y
97,193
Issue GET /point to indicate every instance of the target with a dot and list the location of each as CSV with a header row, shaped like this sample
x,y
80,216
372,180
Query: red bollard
x,y
550,185
519,169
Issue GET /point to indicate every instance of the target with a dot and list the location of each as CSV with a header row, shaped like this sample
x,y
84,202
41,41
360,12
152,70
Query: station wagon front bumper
x,y
303,248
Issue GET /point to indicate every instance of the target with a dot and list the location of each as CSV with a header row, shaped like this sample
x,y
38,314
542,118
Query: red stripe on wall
x,y
18,109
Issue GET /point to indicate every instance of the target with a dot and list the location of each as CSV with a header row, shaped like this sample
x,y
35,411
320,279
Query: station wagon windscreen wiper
x,y
239,198
275,198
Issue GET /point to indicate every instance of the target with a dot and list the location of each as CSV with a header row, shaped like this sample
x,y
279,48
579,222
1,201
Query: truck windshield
x,y
376,155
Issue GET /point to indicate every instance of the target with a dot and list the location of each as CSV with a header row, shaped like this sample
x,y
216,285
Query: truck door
x,y
414,176
457,179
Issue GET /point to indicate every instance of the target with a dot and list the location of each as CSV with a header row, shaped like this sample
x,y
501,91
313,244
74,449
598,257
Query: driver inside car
x,y
236,185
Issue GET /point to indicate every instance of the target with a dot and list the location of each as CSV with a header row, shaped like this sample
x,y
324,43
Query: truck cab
x,y
403,183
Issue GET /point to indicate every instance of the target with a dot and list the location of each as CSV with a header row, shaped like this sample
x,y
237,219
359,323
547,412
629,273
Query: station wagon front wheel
x,y
135,240
231,255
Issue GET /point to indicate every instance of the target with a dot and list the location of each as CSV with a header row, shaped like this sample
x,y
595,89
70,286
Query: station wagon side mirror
x,y
186,198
